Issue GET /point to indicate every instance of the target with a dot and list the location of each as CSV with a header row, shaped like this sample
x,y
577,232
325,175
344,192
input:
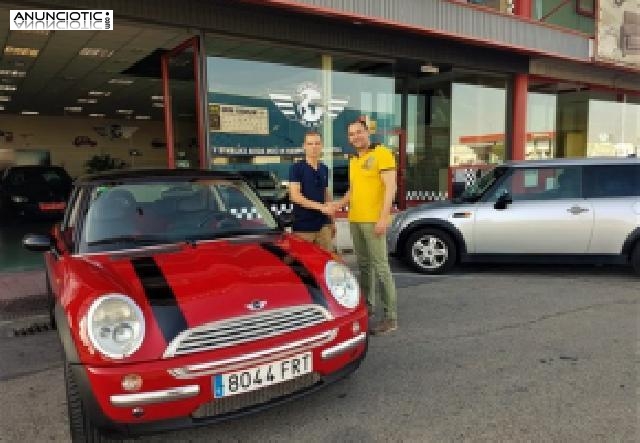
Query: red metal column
x,y
168,122
522,8
519,136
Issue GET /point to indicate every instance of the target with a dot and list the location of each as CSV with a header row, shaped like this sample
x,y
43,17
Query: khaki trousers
x,y
373,263
322,238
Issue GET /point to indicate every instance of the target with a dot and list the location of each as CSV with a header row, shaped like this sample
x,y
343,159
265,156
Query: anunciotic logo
x,y
61,20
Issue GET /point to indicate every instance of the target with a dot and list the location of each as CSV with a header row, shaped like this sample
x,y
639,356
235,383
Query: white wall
x,y
56,134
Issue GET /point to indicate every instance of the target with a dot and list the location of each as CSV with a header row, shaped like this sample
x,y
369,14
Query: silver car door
x,y
614,193
546,216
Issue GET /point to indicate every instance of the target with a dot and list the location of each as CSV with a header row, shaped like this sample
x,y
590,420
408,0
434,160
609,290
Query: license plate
x,y
55,206
225,385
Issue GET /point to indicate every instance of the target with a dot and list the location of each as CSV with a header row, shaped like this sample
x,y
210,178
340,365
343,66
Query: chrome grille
x,y
231,332
255,398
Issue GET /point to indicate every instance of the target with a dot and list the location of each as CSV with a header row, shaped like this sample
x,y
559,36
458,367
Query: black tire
x,y
51,304
430,251
635,258
80,425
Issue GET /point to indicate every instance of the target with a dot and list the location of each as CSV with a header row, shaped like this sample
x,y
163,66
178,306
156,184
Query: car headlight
x,y
115,325
19,199
342,284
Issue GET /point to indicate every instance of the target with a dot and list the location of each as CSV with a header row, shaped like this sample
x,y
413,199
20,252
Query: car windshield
x,y
38,176
131,215
474,192
260,179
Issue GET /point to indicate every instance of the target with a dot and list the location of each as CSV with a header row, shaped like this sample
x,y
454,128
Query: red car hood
x,y
211,281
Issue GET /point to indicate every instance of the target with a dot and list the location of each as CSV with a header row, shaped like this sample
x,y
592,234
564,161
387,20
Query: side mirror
x,y
502,202
286,219
37,242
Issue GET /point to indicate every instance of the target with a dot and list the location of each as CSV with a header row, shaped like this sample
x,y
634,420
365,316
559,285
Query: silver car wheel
x,y
430,252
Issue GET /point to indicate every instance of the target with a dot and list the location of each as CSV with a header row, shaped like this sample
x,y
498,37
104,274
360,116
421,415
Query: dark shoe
x,y
384,327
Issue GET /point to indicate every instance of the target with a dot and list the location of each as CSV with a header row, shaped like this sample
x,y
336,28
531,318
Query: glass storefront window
x,y
541,125
614,126
361,90
453,118
478,122
263,98
428,136
256,122
571,120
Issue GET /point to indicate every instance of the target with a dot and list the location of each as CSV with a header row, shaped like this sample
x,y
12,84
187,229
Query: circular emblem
x,y
256,305
309,107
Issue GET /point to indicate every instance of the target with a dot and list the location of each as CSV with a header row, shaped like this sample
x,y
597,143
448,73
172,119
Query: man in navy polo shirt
x,y
309,192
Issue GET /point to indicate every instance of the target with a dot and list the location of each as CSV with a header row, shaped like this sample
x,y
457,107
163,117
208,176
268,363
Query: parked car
x,y
180,301
32,192
267,184
549,211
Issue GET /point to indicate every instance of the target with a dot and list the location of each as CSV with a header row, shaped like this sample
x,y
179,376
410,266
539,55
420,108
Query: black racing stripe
x,y
301,271
161,297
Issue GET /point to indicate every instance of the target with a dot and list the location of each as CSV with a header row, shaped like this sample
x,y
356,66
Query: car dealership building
x,y
235,84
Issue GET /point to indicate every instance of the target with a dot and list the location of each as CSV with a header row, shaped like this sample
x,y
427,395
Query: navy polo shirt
x,y
313,185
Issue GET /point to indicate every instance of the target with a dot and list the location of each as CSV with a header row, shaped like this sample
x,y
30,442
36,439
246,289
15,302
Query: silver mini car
x,y
547,211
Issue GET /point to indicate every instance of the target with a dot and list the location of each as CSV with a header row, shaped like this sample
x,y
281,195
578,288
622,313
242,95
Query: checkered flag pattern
x,y
252,213
469,177
427,195
281,208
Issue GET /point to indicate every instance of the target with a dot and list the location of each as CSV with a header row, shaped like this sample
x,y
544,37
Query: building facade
x,y
446,84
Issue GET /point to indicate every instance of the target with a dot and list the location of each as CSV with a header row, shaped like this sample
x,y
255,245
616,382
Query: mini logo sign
x,y
256,305
306,106
61,20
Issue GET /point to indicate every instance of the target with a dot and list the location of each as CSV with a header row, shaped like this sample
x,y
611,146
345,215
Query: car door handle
x,y
575,210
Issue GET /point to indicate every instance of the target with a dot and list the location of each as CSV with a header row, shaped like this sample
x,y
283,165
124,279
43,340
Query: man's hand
x,y
328,209
381,227
336,206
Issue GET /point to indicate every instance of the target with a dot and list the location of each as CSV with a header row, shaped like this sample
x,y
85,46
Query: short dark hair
x,y
359,121
311,134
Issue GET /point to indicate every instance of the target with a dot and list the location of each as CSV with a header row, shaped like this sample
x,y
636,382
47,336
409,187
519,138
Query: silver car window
x,y
540,184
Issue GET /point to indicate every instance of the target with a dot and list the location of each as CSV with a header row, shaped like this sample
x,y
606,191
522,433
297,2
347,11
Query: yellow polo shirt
x,y
366,185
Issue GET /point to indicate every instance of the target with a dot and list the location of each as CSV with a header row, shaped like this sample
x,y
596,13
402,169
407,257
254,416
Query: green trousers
x,y
373,263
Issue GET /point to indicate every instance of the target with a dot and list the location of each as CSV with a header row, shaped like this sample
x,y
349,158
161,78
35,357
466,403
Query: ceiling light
x,y
87,100
12,73
158,105
1,108
29,113
96,52
157,97
143,117
96,115
124,111
8,87
120,81
100,93
26,52
73,108
5,98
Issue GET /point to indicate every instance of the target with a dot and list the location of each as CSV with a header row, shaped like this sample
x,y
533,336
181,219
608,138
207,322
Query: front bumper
x,y
176,391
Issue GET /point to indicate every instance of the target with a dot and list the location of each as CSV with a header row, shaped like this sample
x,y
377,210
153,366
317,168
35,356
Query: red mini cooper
x,y
180,301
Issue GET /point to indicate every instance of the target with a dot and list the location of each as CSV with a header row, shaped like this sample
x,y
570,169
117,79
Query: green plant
x,y
103,162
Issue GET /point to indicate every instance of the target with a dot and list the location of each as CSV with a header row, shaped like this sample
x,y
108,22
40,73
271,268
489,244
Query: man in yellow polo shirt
x,y
372,186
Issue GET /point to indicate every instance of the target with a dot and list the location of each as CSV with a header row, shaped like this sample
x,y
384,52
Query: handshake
x,y
330,208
